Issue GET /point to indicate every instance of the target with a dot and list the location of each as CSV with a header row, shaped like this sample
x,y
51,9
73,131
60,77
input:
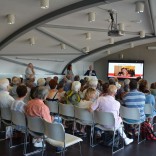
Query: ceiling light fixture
x,y
91,16
11,19
131,45
139,7
44,4
63,46
32,41
88,36
86,49
121,26
142,34
111,41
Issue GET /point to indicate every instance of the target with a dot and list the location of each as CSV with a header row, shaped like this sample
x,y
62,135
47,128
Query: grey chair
x,y
84,117
57,137
35,127
132,114
106,122
5,118
66,111
53,107
19,123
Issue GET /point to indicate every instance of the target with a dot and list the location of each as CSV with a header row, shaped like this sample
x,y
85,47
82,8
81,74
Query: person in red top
x,y
37,108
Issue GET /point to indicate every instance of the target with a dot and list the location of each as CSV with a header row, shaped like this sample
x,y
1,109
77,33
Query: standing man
x,y
90,72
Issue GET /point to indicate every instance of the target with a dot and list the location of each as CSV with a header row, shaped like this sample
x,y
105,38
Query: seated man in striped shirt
x,y
134,99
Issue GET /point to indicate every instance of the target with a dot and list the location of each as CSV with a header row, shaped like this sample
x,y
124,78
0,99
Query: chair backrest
x,y
54,131
148,109
66,110
53,106
18,118
104,118
6,113
130,113
84,115
35,124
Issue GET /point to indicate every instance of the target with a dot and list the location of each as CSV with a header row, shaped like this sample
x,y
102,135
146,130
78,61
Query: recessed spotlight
x,y
91,16
11,19
139,7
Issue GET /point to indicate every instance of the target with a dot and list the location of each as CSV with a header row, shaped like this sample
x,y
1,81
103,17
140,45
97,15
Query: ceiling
x,y
66,22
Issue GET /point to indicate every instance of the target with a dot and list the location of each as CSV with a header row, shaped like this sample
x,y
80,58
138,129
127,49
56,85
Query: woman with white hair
x,y
72,96
93,84
5,99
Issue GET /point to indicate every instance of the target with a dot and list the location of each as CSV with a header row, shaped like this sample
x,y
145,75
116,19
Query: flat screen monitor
x,y
125,69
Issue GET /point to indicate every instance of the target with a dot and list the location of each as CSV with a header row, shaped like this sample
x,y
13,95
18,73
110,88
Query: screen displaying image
x,y
125,69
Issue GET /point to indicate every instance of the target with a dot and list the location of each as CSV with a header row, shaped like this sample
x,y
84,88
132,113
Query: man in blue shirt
x,y
135,99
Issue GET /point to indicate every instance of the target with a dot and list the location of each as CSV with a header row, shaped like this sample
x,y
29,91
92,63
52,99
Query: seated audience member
x,y
76,78
41,82
105,87
53,92
72,96
83,85
99,85
18,104
86,104
47,82
93,84
88,98
90,72
67,85
124,89
15,82
61,91
56,79
134,99
37,108
109,104
112,81
153,89
150,99
5,99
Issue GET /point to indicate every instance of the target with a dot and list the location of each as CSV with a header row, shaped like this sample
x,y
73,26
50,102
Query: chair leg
x,y
43,142
139,135
80,149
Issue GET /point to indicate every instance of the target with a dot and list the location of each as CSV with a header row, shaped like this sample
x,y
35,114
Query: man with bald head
x,y
109,104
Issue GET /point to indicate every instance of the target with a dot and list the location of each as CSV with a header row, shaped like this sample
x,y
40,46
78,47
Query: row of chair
x,y
68,112
53,133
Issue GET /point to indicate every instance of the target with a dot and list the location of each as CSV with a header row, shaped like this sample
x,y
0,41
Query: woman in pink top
x,y
109,104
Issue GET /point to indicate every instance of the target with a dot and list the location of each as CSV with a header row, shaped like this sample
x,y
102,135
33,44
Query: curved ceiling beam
x,y
106,47
51,16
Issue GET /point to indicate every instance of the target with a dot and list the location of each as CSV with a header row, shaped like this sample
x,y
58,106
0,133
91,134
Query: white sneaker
x,y
38,144
128,141
34,140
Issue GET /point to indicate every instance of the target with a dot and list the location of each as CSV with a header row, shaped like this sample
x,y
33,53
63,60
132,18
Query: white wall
x,y
137,53
9,69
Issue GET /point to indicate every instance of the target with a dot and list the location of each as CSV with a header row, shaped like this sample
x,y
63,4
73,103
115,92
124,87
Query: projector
x,y
115,33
